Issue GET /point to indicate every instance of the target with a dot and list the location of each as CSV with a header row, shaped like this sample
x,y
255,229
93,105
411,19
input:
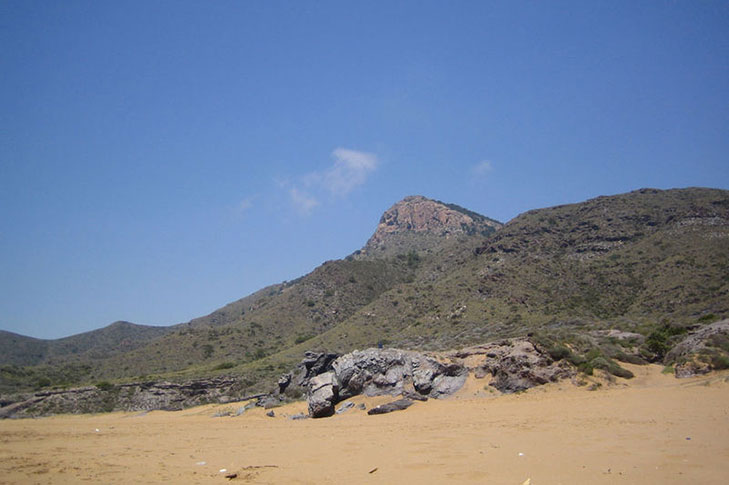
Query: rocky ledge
x,y
141,396
513,364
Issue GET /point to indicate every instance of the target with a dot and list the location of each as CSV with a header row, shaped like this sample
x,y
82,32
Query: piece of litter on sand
x,y
97,430
231,475
528,481
200,463
373,470
223,470
521,454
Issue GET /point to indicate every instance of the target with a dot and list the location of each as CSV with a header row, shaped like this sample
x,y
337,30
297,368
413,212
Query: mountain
x,y
115,338
417,223
650,263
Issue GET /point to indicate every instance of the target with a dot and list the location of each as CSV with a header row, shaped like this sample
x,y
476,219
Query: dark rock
x,y
314,364
398,405
271,414
345,407
283,382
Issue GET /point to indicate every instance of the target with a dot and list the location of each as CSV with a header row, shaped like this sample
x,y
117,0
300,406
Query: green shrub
x,y
559,352
708,318
104,386
659,341
43,382
719,362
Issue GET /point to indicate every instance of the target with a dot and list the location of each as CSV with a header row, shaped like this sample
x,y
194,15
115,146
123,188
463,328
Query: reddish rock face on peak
x,y
417,219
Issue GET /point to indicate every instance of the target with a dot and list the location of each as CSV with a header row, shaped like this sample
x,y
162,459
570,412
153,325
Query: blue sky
x,y
160,159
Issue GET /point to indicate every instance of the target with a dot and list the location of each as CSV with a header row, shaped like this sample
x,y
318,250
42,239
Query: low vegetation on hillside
x,y
619,278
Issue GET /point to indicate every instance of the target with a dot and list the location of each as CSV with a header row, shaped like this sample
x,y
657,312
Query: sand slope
x,y
652,429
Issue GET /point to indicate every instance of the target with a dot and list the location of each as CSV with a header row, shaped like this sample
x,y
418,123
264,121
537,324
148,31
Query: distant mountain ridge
x,y
117,337
437,276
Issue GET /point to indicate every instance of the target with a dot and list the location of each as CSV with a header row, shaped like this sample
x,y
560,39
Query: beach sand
x,y
650,429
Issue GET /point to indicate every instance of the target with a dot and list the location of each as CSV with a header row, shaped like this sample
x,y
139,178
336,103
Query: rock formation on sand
x,y
376,372
514,364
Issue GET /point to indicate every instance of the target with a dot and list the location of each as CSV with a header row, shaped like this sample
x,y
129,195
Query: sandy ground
x,y
652,429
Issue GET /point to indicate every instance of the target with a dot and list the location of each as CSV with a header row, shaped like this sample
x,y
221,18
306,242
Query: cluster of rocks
x,y
327,379
375,372
515,364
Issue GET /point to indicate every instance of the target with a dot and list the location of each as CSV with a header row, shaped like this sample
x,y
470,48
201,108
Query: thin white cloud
x,y
303,202
350,170
245,204
482,168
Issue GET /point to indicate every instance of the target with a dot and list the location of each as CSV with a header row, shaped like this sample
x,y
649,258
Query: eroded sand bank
x,y
652,429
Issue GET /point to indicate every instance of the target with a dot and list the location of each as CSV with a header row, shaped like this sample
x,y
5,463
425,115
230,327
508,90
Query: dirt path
x,y
652,429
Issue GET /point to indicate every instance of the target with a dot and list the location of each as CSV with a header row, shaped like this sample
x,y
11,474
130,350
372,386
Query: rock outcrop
x,y
514,364
416,223
702,350
141,396
376,372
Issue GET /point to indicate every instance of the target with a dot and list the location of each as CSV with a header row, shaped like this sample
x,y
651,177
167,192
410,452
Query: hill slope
x,y
438,276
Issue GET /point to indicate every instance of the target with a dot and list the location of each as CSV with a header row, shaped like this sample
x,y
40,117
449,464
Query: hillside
x,y
437,276
118,337
625,261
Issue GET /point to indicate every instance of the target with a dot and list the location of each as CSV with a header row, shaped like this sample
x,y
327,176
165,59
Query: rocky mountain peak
x,y
416,215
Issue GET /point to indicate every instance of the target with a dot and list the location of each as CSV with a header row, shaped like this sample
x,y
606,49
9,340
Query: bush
x,y
659,342
104,386
708,318
719,362
303,338
559,352
43,382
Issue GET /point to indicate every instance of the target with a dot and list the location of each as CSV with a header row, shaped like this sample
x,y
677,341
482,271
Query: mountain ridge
x,y
627,261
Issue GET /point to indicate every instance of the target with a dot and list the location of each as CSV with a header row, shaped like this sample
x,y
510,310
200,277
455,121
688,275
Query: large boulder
x,y
323,395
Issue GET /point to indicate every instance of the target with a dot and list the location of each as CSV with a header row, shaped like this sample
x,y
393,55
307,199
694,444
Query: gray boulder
x,y
323,395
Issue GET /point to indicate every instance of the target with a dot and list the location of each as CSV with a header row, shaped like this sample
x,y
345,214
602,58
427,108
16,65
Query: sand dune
x,y
651,429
